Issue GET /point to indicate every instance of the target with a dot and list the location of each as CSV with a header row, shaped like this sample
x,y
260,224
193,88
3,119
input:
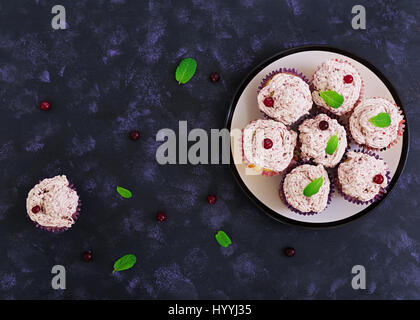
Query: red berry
x,y
269,102
134,135
214,77
268,143
379,179
289,251
87,256
348,78
323,125
36,209
161,216
211,199
45,105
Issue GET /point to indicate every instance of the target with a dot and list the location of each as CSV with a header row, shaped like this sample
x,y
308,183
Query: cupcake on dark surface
x,y
336,77
363,177
322,140
268,146
376,123
306,189
53,204
285,96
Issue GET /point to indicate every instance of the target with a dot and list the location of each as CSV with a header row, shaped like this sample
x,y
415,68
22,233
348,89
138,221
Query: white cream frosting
x,y
330,77
279,156
291,95
364,132
314,140
58,202
356,175
297,180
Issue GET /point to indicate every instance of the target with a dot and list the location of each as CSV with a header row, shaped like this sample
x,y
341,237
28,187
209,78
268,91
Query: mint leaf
x,y
332,98
125,262
223,239
124,192
313,187
185,70
332,144
381,120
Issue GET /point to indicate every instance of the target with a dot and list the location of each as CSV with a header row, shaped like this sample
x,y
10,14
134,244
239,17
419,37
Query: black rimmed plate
x,y
264,191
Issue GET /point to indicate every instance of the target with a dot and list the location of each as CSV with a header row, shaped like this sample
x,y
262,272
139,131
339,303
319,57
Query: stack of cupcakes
x,y
306,134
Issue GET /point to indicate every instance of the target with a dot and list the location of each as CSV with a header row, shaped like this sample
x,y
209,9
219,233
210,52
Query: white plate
x,y
264,191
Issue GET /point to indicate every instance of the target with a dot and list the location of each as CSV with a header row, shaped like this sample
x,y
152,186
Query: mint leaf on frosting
x,y
124,192
313,187
332,144
332,98
185,70
381,120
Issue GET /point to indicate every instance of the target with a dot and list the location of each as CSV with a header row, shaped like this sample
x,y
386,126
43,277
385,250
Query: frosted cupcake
x,y
268,146
322,140
306,189
363,177
285,96
337,86
53,204
376,123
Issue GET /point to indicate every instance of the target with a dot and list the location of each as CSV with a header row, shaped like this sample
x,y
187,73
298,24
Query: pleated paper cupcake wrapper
x,y
263,171
400,132
283,196
351,199
362,89
75,217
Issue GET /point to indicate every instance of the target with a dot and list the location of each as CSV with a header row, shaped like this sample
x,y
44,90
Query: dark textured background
x,y
112,71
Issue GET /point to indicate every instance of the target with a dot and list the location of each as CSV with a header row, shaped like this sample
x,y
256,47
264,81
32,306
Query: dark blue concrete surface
x,y
112,71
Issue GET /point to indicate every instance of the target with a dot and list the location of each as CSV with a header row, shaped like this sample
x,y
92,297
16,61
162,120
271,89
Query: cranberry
x,y
379,179
45,105
214,77
36,209
211,199
268,143
289,251
269,102
161,216
323,125
134,135
348,78
87,256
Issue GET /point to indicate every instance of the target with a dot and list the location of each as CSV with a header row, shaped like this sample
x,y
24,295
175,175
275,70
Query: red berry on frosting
x,y
161,216
379,179
87,256
323,125
36,209
269,102
45,105
348,78
268,143
134,135
211,199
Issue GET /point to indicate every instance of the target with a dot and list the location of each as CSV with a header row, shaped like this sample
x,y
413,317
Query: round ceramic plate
x,y
264,191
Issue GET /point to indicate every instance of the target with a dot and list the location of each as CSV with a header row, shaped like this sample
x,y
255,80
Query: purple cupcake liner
x,y
351,199
75,217
291,71
283,196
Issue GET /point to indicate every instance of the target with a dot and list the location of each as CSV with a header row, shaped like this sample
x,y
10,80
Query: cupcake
x,y
363,177
53,204
285,96
376,123
337,86
306,189
268,146
322,140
